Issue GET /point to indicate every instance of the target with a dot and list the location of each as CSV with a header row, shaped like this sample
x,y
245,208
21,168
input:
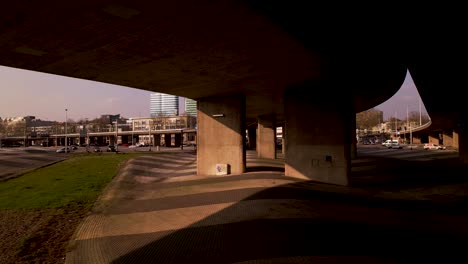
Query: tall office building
x,y
190,107
164,104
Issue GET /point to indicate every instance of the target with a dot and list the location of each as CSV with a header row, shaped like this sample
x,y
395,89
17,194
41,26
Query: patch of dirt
x,y
37,236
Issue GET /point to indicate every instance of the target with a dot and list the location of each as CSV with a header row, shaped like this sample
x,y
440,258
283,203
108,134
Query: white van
x,y
391,143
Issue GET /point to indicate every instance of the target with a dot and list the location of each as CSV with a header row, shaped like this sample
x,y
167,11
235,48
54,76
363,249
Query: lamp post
x,y
66,139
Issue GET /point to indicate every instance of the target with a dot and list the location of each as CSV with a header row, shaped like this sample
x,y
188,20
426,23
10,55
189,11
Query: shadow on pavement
x,y
325,224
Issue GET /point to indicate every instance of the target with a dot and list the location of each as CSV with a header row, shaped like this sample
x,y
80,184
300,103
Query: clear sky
x,y
46,97
406,98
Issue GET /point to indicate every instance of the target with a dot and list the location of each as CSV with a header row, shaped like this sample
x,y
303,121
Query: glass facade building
x,y
163,104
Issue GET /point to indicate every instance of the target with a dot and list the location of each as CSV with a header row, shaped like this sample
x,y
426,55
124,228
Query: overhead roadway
x,y
199,49
327,59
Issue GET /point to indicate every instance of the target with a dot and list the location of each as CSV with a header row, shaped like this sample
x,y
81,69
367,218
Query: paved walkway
x,y
158,211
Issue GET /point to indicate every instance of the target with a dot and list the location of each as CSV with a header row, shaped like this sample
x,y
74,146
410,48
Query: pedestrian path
x,y
157,210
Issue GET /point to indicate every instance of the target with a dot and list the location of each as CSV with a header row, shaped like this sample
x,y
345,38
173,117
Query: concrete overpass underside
x,y
307,68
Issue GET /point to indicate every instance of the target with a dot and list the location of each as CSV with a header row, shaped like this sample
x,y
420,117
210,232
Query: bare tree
x,y
368,119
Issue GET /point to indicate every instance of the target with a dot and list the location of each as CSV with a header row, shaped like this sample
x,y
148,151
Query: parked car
x,y
62,150
428,146
392,143
111,148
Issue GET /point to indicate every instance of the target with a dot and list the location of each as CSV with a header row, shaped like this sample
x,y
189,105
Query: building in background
x,y
190,107
164,104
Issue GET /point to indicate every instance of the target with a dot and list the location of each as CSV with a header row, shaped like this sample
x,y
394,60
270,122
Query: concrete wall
x,y
455,139
318,142
266,137
221,134
447,138
252,135
434,138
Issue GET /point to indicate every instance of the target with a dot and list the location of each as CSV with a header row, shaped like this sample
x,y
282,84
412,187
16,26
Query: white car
x,y
62,150
391,144
433,146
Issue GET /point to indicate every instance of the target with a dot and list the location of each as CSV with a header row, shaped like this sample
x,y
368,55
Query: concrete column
x,y
460,138
318,135
447,138
434,138
177,140
455,143
252,134
266,137
283,141
167,140
157,140
221,134
460,135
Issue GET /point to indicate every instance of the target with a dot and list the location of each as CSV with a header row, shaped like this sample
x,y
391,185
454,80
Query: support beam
x,y
266,138
221,134
318,137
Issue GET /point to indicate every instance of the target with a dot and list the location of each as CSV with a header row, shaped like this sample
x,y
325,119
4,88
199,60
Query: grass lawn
x,y
75,181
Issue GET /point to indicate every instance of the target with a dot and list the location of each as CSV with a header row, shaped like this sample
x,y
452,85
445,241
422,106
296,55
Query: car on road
x,y
428,146
63,150
392,143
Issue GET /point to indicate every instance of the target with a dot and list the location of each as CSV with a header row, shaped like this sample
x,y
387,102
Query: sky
x,y
405,99
46,96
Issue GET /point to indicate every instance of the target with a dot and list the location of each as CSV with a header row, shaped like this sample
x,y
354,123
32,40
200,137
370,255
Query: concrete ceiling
x,y
198,49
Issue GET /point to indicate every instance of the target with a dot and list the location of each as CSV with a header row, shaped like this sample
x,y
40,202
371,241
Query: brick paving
x,y
157,210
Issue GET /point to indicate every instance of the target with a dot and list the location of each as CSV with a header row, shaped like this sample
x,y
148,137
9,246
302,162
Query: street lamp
x,y
66,139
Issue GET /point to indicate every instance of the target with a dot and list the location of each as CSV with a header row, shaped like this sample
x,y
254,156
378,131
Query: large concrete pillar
x,y
283,140
318,136
266,137
461,137
221,134
252,135
434,138
455,143
447,138
157,140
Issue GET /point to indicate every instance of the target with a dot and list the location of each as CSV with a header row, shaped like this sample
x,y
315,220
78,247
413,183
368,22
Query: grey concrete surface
x,y
158,211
